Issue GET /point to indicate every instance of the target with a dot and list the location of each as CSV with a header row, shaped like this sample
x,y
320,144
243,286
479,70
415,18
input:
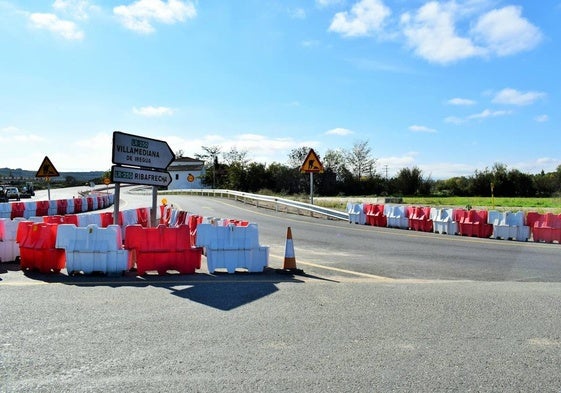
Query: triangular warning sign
x,y
312,164
47,169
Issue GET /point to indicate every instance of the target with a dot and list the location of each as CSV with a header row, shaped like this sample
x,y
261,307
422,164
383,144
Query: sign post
x,y
311,165
47,170
140,160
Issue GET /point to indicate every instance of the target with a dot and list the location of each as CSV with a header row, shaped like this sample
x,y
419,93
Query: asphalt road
x,y
378,310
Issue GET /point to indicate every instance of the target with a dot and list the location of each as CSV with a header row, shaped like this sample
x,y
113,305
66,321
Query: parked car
x,y
3,197
12,193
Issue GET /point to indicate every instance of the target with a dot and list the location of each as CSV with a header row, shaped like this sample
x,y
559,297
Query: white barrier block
x,y
5,210
444,222
356,213
397,219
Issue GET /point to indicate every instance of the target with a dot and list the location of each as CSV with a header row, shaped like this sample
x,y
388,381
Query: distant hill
x,y
23,174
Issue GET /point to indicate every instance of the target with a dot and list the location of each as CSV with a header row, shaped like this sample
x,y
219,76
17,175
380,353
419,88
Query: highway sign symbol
x,y
140,151
146,177
47,169
312,164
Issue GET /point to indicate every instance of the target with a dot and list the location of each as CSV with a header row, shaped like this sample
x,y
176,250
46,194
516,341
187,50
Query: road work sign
x,y
312,164
47,169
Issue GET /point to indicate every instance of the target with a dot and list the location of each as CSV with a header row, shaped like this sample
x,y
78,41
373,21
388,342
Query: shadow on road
x,y
221,291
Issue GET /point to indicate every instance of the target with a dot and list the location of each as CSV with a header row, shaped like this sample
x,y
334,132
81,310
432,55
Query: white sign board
x,y
140,151
147,177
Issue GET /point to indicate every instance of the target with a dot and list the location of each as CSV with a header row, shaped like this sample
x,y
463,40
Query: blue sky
x,y
447,86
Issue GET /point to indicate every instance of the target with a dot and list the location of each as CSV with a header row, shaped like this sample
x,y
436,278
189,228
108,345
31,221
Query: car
x,y
3,197
12,193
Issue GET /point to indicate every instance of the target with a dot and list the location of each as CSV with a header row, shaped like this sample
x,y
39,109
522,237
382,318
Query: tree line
x,y
353,172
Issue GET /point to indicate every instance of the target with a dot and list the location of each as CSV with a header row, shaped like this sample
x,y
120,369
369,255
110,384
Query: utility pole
x,y
386,169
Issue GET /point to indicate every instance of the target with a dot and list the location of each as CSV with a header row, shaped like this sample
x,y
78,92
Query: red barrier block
x,y
547,228
143,216
474,223
182,218
162,248
42,208
375,215
56,219
90,202
70,219
18,209
531,219
107,219
37,247
420,220
61,206
77,206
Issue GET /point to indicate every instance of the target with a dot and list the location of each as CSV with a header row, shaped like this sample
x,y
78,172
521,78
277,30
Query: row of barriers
x,y
55,207
89,243
517,226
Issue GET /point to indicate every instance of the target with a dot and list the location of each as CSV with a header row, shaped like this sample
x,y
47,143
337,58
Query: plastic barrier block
x,y
356,213
5,210
18,209
30,209
93,249
547,228
419,219
397,218
42,208
77,205
37,247
143,216
474,223
62,206
444,222
9,251
375,215
162,249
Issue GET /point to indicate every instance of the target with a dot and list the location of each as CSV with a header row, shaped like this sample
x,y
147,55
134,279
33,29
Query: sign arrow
x,y
140,151
146,177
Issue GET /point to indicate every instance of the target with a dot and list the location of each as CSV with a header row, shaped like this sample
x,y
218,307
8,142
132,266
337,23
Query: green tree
x,y
360,160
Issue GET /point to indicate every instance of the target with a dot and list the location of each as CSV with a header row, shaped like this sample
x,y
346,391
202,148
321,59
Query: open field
x,y
540,205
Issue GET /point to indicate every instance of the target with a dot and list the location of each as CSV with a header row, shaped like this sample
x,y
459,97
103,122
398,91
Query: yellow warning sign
x,y
312,164
47,169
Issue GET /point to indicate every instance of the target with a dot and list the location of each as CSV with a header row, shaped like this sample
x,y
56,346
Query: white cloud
x,y
489,113
297,13
261,148
417,128
454,120
9,130
327,3
542,118
504,31
153,111
66,29
339,131
434,31
431,32
140,15
310,43
510,96
461,102
78,9
365,17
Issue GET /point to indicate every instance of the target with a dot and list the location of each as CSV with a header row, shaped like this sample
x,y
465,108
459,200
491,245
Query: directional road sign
x,y
146,177
140,151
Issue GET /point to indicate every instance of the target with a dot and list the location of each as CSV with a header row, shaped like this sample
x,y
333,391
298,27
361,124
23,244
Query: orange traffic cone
x,y
289,257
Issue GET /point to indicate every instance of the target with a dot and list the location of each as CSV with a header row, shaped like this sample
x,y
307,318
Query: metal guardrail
x,y
273,202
